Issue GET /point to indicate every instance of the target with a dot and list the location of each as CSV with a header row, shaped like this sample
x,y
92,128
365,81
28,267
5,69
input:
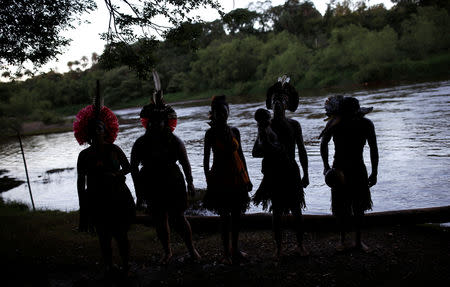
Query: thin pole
x,y
26,170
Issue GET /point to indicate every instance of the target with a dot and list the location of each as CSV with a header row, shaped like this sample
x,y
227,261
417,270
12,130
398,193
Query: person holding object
x,y
282,185
350,193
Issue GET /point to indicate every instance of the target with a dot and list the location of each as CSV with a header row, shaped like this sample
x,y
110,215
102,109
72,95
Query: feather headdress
x,y
157,107
338,106
284,88
95,112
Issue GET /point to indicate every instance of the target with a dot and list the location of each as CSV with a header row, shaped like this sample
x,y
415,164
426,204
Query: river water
x,y
412,125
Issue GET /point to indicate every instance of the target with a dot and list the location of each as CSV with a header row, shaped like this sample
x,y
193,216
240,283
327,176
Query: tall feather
x,y
284,80
97,100
157,94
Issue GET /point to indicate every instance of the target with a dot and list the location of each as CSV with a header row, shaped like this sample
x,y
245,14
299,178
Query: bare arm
x,y
81,188
123,162
206,153
372,141
184,161
134,168
81,178
302,154
326,137
324,151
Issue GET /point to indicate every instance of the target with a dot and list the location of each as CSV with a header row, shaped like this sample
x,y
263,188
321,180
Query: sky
x,y
86,39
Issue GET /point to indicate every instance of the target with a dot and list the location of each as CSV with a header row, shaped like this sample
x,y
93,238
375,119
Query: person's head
x,y
279,103
282,96
91,125
333,105
350,107
158,118
262,116
96,132
219,110
154,119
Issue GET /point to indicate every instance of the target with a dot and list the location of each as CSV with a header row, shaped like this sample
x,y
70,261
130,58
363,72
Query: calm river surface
x,y
412,124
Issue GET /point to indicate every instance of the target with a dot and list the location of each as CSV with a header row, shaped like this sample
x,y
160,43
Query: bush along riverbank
x,y
44,248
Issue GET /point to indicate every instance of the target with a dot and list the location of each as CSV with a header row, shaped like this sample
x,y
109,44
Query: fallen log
x,y
263,221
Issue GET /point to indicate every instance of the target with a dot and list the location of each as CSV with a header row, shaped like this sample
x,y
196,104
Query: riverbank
x,y
43,248
66,124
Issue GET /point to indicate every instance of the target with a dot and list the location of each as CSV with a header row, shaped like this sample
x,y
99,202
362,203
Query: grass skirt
x,y
281,187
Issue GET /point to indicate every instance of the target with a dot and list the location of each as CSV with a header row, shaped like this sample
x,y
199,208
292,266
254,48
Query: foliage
x,y
222,64
283,53
354,52
425,32
239,55
142,14
30,30
140,56
240,21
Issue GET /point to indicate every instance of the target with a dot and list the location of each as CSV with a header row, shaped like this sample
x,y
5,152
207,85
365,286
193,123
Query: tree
x,y
296,18
94,58
70,64
84,62
262,9
30,30
240,20
143,13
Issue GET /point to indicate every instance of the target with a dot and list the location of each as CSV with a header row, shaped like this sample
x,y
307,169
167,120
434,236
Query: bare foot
x,y
166,258
195,255
361,246
278,254
226,260
301,251
340,247
239,257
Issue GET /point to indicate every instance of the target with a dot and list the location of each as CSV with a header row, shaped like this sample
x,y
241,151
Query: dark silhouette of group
x,y
107,206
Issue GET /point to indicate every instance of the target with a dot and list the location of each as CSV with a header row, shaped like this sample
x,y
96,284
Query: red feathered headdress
x,y
158,108
85,115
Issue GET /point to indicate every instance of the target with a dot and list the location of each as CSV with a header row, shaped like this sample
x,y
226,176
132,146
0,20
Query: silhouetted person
x,y
227,180
350,194
104,198
160,183
277,139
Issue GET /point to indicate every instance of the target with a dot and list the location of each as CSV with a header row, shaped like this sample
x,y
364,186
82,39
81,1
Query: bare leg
x,y
163,232
276,227
298,219
341,224
105,239
184,229
359,216
237,255
124,249
225,221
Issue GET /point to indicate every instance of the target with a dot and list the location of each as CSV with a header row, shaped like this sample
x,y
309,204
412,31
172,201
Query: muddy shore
x,y
399,256
45,249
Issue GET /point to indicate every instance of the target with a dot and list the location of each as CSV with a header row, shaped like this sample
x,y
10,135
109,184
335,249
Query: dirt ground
x,y
416,255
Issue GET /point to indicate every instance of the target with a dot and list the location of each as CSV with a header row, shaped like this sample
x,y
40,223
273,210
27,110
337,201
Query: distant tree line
x,y
247,49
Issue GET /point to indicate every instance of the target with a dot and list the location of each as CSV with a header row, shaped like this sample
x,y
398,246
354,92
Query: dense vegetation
x,y
247,49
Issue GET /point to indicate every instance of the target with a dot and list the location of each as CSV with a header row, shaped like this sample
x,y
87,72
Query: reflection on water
x,y
412,125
